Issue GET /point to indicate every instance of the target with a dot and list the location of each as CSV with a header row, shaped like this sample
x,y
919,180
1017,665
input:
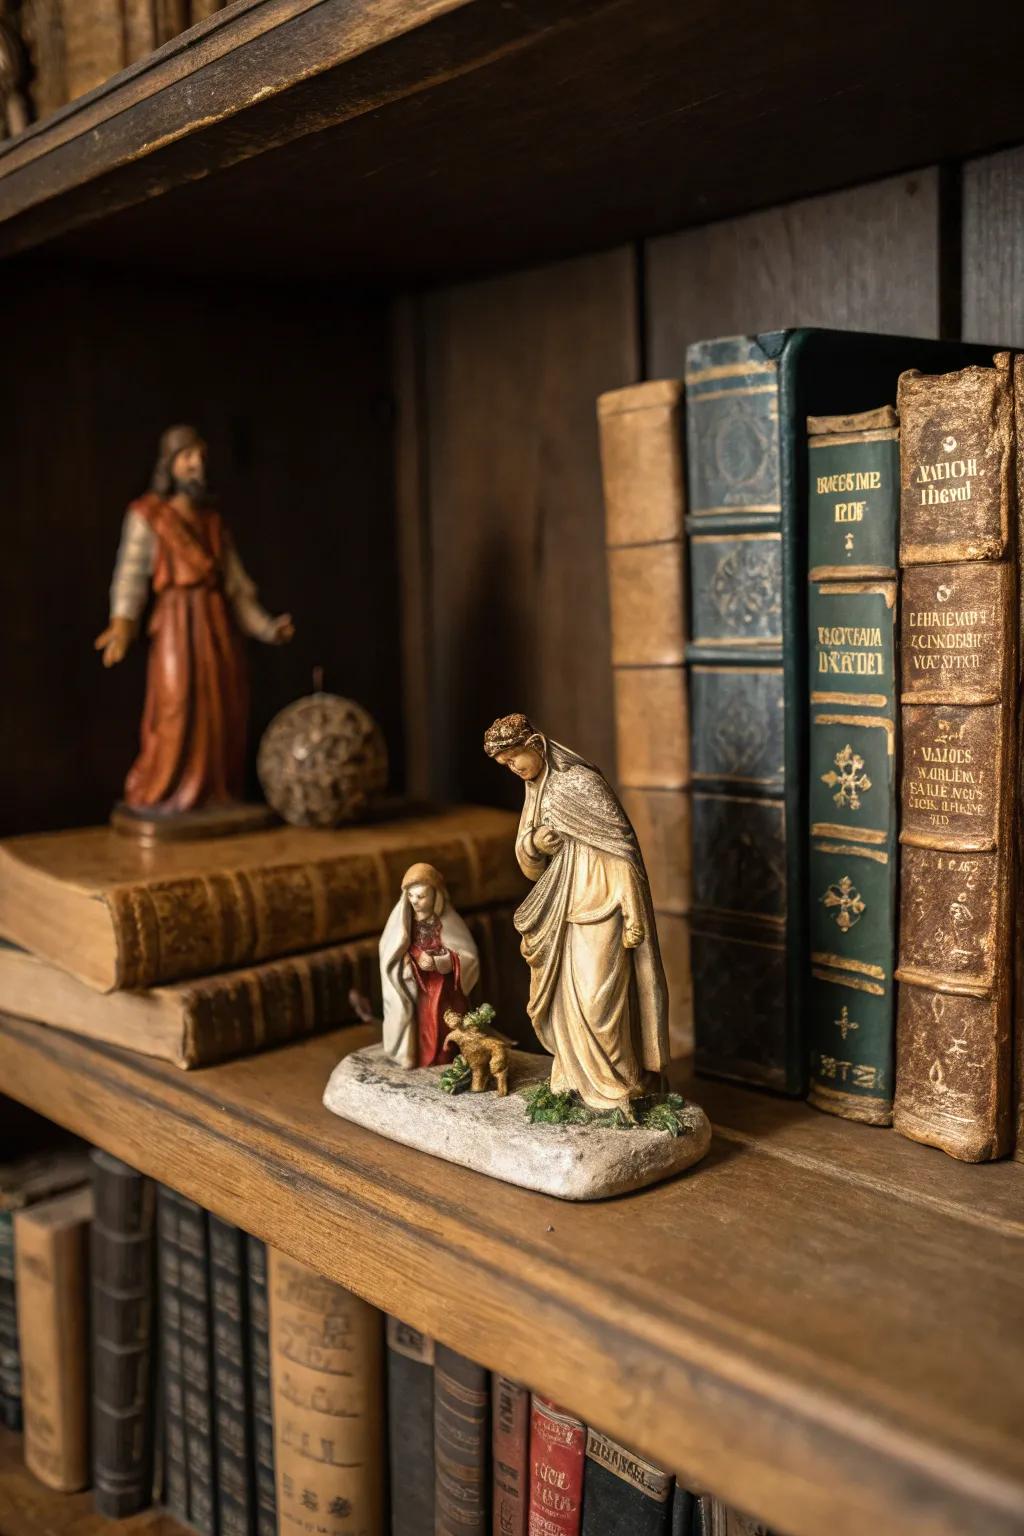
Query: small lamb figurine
x,y
487,1056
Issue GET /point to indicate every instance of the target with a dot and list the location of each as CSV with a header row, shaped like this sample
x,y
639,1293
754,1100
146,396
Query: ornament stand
x,y
184,826
492,1134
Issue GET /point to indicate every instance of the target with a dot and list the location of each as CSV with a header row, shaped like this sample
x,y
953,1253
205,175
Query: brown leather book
x,y
121,915
958,620
642,467
327,1370
1018,871
93,43
237,1013
52,1270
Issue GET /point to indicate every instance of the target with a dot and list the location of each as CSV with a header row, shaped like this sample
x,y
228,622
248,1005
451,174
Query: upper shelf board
x,y
394,141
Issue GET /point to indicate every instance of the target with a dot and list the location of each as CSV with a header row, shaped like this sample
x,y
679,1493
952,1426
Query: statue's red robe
x,y
193,725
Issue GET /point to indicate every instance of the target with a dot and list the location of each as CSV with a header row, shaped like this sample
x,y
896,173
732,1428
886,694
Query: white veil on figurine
x,y
399,995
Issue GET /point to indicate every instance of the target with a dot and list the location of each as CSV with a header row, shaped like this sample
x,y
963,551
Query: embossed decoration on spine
x,y
853,502
953,1079
744,1011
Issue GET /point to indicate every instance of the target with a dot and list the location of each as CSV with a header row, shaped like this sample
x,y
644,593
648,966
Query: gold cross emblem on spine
x,y
844,1023
850,782
845,902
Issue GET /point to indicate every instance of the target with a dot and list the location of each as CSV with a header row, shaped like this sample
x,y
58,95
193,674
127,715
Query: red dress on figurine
x,y
435,994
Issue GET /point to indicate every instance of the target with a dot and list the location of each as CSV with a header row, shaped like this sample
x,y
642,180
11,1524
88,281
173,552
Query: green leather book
x,y
747,403
853,519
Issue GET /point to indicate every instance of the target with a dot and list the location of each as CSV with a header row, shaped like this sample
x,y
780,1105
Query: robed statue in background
x,y
598,999
174,541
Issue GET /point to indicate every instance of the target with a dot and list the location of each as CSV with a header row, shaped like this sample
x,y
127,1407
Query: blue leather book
x,y
747,403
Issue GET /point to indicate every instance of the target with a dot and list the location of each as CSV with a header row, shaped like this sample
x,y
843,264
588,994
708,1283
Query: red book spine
x,y
557,1446
510,1435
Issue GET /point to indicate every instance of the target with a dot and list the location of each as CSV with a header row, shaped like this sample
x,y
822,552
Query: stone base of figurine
x,y
492,1134
184,826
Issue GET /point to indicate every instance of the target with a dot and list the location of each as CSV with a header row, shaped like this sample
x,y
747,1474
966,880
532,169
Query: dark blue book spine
x,y
264,1489
622,1492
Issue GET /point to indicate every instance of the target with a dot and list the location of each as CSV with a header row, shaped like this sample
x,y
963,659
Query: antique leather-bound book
x,y
462,1467
327,1369
51,1243
260,1394
959,620
623,1492
120,915
121,1262
854,476
682,1517
747,402
232,1412
557,1445
197,1365
510,1456
169,1341
23,1182
641,434
410,1380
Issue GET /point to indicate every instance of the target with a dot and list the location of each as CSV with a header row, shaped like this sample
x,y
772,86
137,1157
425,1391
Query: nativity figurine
x,y
429,965
598,998
175,543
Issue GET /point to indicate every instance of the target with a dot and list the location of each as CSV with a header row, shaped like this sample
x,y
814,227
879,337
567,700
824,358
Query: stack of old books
x,y
202,950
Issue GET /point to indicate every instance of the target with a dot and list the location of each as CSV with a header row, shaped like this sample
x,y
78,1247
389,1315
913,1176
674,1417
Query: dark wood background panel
x,y
292,389
866,259
513,368
993,249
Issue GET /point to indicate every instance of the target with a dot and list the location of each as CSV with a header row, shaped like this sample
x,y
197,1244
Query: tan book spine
x,y
1018,871
140,30
642,466
326,1366
958,664
93,43
52,1276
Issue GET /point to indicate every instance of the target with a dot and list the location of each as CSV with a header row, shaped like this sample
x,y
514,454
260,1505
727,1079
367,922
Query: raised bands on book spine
x,y
196,1365
643,473
232,1413
746,991
852,533
959,610
169,1343
510,1453
461,1444
122,1268
410,1372
260,1392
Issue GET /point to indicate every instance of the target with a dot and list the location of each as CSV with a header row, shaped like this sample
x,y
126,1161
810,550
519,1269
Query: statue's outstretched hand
x,y
633,934
284,629
115,640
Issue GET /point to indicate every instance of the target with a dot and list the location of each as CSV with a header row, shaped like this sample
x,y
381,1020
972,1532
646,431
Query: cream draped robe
x,y
599,1008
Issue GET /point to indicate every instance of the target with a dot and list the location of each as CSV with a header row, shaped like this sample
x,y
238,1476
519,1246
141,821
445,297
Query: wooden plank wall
x,y
993,249
508,494
293,393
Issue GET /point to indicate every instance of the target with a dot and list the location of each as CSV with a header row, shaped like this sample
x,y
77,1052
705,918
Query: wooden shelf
x,y
821,1323
392,140
29,1509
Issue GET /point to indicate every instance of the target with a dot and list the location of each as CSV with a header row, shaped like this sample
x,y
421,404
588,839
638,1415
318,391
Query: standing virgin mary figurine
x,y
598,1000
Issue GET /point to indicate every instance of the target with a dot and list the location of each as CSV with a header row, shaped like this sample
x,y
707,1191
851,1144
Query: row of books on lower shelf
x,y
160,1355
814,570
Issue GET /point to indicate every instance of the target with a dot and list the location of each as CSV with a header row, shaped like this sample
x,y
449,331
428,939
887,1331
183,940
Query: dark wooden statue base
x,y
181,826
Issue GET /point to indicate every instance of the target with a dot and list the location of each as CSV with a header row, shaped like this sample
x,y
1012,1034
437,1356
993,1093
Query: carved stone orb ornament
x,y
321,761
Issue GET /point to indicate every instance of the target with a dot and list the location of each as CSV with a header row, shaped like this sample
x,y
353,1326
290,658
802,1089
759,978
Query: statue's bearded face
x,y
188,470
525,762
422,899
